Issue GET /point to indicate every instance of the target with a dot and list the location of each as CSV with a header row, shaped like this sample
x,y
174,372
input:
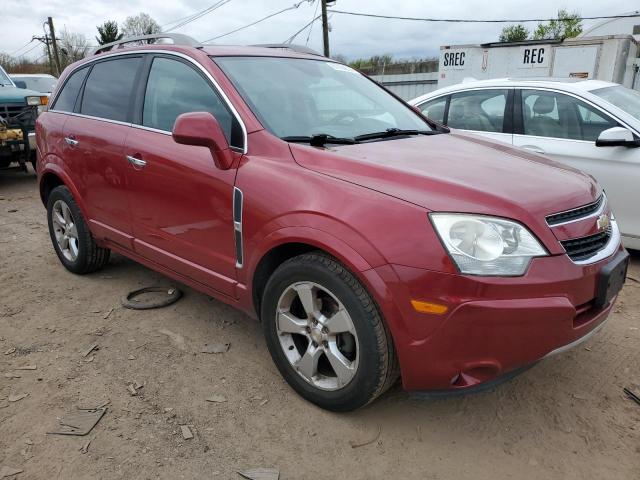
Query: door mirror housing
x,y
617,137
203,130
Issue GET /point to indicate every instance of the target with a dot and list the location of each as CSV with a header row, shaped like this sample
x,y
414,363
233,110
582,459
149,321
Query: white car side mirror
x,y
617,137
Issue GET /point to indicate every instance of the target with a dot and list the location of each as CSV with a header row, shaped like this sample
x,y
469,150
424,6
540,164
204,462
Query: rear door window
x,y
67,97
108,92
434,109
480,110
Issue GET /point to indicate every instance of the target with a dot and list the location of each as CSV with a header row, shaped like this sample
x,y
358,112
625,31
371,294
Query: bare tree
x,y
72,46
141,24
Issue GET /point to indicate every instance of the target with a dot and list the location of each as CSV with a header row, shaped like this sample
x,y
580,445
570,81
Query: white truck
x,y
613,58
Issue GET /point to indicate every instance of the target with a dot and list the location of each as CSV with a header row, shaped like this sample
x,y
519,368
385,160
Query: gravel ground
x,y
567,418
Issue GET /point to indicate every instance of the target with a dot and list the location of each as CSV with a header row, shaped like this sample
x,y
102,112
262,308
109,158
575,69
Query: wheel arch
x,y
53,176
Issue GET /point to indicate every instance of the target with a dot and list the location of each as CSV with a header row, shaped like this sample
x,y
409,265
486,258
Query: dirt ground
x,y
566,418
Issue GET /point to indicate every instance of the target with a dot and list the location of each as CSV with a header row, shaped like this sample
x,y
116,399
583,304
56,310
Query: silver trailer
x,y
613,58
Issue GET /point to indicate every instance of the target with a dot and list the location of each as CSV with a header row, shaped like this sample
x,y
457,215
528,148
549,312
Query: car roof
x,y
565,84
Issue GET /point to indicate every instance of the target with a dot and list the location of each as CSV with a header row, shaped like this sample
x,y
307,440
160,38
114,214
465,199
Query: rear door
x,y
94,140
565,128
487,112
180,202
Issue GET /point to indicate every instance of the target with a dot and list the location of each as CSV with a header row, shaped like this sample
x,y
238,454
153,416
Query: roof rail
x,y
290,46
178,39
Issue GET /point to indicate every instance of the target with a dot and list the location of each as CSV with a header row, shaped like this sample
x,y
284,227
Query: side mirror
x,y
617,137
203,130
20,84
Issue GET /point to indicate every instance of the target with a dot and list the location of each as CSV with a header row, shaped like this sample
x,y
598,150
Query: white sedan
x,y
591,125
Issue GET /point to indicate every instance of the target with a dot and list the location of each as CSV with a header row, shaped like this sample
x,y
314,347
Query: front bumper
x,y
493,325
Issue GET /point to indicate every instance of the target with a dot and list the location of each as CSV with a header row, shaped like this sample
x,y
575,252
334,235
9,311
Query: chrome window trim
x,y
610,248
91,117
210,77
598,212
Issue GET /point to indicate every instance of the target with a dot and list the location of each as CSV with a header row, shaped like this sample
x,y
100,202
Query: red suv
x,y
370,241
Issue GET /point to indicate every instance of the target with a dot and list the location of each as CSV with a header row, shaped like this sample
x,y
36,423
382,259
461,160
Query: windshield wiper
x,y
320,140
392,132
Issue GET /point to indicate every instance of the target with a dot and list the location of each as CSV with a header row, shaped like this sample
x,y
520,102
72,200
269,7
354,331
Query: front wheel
x,y
326,335
70,235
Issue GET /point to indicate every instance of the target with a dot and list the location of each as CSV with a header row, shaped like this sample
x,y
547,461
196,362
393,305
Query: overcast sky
x,y
350,36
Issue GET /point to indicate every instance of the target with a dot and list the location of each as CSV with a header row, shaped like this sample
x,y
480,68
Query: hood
x,y
457,173
9,94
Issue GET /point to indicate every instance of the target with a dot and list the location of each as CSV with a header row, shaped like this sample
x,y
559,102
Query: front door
x,y
565,128
180,202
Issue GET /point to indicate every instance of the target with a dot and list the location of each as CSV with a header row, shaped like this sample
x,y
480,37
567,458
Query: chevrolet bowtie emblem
x,y
603,222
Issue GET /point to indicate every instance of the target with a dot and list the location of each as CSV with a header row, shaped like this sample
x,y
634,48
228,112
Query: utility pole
x,y
325,29
45,40
54,43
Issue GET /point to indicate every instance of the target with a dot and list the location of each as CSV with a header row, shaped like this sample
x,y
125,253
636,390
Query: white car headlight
x,y
33,101
482,245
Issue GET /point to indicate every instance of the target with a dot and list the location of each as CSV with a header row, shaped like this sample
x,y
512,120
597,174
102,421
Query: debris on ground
x,y
27,367
10,351
11,375
176,338
132,390
92,347
6,471
17,397
168,296
260,474
186,432
355,444
216,347
631,395
80,422
106,315
85,446
216,399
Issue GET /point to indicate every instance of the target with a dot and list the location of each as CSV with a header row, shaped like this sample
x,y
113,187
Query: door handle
x,y
535,149
71,141
136,162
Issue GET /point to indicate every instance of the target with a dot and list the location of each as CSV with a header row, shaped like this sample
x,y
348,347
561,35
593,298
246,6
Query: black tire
x,y
90,256
377,365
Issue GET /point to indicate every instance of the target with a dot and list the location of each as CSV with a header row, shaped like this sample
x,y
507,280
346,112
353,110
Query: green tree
x,y
108,32
514,33
567,25
141,24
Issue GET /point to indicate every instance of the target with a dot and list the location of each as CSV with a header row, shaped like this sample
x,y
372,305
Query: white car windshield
x,y
302,97
38,84
622,97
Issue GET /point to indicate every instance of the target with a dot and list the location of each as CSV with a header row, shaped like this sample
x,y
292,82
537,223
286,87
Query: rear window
x,y
67,98
109,89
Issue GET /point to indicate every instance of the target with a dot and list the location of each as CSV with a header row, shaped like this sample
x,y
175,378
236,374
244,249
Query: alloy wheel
x,y
65,230
317,335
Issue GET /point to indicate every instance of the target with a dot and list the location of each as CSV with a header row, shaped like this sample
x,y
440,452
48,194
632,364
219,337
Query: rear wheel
x,y
70,234
326,335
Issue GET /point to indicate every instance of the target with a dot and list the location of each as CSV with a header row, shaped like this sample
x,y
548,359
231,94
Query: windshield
x,y
300,98
4,78
622,97
38,84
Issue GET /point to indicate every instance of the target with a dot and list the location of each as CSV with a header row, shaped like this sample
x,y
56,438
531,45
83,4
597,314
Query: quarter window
x,y
434,109
556,115
67,98
481,110
108,92
175,88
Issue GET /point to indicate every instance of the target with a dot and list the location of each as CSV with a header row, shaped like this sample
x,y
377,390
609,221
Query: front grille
x,y
16,115
575,213
585,247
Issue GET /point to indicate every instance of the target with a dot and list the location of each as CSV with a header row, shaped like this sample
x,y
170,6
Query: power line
x,y
292,7
17,50
460,20
32,48
292,37
190,18
315,12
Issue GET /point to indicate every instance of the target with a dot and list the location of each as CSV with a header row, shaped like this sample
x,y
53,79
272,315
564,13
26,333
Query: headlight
x,y
482,245
33,101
